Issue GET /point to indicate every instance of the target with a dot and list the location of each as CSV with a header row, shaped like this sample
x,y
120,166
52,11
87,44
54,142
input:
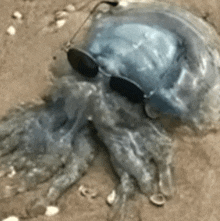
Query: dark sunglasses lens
x,y
127,88
114,4
82,62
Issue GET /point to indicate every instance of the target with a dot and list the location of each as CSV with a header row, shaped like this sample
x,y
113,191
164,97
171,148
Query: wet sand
x,y
25,60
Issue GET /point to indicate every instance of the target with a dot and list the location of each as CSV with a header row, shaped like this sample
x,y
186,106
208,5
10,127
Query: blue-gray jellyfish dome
x,y
171,55
138,52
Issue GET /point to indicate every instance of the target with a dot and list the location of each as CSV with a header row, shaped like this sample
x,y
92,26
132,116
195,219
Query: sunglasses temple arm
x,y
71,42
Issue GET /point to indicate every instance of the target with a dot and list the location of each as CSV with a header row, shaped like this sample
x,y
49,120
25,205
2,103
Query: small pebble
x,y
88,192
12,173
158,199
52,211
70,8
60,23
17,15
61,14
11,218
11,30
111,197
90,118
99,15
123,3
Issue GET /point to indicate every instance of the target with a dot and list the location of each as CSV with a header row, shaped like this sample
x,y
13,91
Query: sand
x,y
25,59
